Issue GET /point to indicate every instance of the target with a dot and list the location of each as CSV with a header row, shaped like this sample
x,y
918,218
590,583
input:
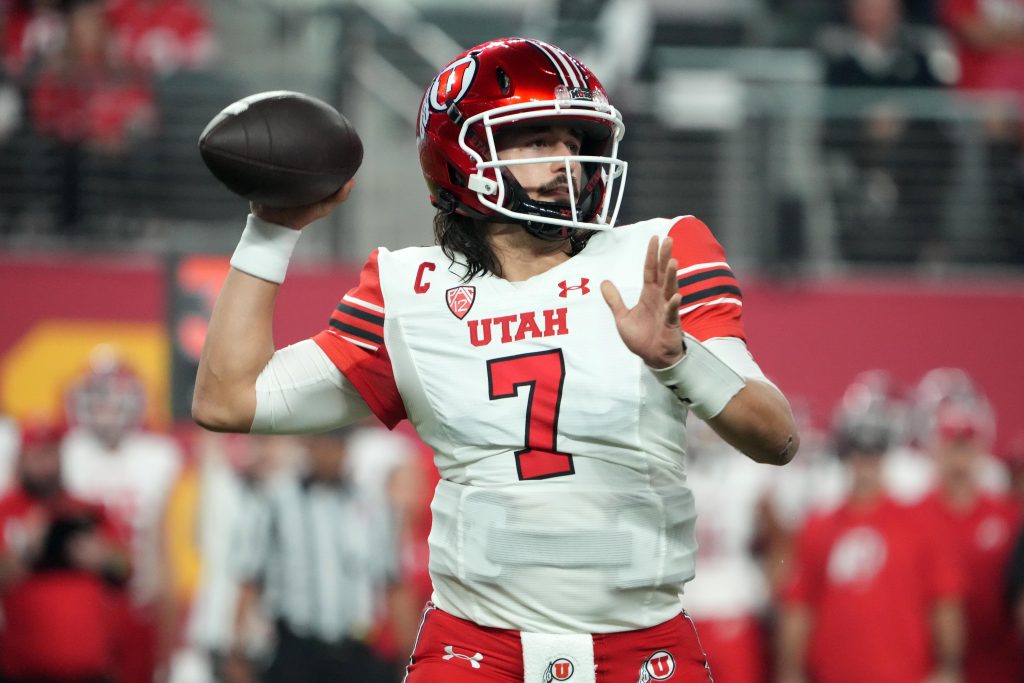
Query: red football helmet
x,y
516,80
109,399
949,405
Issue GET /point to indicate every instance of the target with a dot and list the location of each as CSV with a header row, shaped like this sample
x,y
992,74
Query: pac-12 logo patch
x,y
460,300
559,670
658,667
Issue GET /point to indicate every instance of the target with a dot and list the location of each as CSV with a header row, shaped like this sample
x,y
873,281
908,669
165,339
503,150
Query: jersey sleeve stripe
x,y
357,332
362,315
701,266
710,291
723,300
365,304
706,275
350,340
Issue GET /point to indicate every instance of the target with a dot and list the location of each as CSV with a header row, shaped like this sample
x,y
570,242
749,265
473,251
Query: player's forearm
x,y
239,344
758,422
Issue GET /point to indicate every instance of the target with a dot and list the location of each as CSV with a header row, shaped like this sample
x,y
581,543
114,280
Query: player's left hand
x,y
651,328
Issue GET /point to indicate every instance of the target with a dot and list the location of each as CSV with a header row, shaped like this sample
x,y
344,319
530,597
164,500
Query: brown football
x,y
281,148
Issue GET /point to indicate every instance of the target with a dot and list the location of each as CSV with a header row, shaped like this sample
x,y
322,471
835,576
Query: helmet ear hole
x,y
504,82
456,176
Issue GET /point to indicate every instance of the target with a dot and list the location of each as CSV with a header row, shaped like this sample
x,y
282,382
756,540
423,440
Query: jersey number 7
x,y
543,372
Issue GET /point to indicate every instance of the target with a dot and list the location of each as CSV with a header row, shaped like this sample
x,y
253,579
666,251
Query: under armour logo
x,y
474,660
581,287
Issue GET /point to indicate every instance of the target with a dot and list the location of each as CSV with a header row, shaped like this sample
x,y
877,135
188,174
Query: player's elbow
x,y
218,415
785,449
777,450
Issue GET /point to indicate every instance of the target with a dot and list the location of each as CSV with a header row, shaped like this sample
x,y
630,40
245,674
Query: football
x,y
281,148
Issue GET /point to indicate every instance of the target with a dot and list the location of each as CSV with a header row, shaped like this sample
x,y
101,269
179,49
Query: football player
x,y
109,458
548,360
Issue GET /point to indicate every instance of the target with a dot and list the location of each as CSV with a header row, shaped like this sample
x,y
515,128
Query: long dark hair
x,y
464,241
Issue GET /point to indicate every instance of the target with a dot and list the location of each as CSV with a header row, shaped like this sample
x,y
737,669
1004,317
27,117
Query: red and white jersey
x,y
132,482
563,504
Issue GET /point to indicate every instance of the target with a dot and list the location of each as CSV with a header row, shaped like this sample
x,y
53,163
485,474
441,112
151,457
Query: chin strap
x,y
521,202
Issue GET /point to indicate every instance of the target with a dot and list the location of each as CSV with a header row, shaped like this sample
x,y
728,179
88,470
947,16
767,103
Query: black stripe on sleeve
x,y
362,315
711,291
357,332
706,275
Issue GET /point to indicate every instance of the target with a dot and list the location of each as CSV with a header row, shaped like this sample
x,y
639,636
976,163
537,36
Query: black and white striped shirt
x,y
323,554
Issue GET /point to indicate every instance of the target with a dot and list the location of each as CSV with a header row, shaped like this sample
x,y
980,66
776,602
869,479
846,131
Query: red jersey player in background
x,y
110,459
981,527
62,561
875,590
563,527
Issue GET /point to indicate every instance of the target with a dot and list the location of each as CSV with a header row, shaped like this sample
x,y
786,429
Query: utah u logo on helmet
x,y
452,83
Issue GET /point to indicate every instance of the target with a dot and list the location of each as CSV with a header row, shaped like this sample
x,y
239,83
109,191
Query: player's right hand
x,y
299,217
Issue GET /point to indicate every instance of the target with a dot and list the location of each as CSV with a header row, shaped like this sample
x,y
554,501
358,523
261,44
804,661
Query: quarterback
x,y
548,359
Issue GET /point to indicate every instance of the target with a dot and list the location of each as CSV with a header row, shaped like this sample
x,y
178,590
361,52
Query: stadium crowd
x,y
87,99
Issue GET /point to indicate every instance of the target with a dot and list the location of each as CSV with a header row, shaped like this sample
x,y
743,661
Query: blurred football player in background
x,y
982,527
62,562
563,527
910,472
871,578
110,458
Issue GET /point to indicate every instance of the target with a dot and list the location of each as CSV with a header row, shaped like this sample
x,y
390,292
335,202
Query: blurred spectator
x,y
61,558
90,106
33,30
163,36
981,527
10,122
989,36
871,579
110,458
728,599
320,557
889,167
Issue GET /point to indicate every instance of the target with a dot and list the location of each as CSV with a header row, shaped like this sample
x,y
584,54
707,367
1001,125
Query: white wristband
x,y
265,249
701,379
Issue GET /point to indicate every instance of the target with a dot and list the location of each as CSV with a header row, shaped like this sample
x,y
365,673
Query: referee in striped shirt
x,y
320,556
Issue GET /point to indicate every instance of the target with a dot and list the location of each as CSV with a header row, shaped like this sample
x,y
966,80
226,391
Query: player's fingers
x,y
651,274
345,190
329,204
664,254
669,275
672,310
612,297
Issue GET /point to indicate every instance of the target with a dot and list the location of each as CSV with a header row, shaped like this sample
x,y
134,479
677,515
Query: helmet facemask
x,y
593,203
